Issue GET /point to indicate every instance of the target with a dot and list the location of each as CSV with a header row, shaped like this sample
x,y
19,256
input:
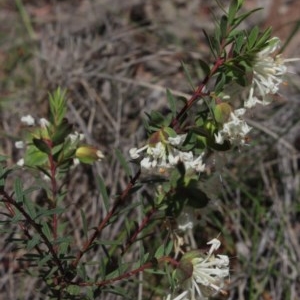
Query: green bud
x,y
88,154
222,112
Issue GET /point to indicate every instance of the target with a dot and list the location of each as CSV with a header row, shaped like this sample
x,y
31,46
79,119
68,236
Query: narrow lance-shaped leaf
x,y
57,106
172,102
30,207
123,162
160,251
252,37
18,190
46,230
204,66
42,145
233,9
33,242
223,27
103,192
188,75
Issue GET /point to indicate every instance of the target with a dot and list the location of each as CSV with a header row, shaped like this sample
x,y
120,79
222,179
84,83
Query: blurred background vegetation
x,y
116,59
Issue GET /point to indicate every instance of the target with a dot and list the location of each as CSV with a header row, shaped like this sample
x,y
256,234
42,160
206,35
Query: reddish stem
x,y
197,94
141,227
103,223
52,166
130,273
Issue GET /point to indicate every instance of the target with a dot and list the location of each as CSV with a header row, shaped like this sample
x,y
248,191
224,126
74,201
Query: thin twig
x,y
103,223
37,227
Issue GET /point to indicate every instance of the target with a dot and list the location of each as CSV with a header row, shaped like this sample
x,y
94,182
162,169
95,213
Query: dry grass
x,y
116,58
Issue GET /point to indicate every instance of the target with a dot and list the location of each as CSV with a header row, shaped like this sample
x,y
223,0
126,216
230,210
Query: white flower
x,y
28,120
75,137
76,161
251,100
20,162
195,164
235,129
182,296
268,72
44,122
219,138
165,155
178,140
186,220
19,144
206,272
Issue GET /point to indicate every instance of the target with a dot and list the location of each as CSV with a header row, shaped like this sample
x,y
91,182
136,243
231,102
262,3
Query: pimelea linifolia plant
x,y
179,143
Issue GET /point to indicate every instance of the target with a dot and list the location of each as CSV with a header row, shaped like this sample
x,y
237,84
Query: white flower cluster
x,y
209,272
268,72
235,129
165,155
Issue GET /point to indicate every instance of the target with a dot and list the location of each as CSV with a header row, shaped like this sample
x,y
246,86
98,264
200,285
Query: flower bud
x,y
88,154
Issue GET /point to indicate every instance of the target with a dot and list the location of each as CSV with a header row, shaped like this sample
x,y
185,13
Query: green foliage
x,y
170,178
58,107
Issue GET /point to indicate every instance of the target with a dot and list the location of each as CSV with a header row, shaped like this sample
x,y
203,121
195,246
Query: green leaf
x,y
263,39
169,248
158,120
160,252
17,217
34,157
188,75
215,41
46,230
233,8
238,20
81,271
30,208
61,132
103,192
252,37
124,293
108,242
51,272
172,102
44,260
239,43
64,247
204,66
42,145
170,131
220,82
50,212
123,162
58,106
223,27
33,242
3,158
73,290
18,190
210,43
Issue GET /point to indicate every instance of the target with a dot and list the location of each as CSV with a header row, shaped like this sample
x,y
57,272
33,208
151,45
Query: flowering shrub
x,y
173,160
